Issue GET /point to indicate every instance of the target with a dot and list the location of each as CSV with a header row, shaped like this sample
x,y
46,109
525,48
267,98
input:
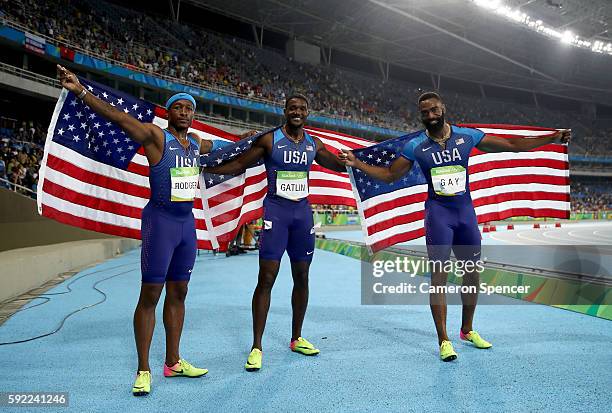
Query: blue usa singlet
x,y
288,223
450,219
168,226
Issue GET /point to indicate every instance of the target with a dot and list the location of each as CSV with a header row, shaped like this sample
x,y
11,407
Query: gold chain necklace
x,y
295,141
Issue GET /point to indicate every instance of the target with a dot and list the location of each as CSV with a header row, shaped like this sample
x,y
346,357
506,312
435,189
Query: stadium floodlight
x,y
566,37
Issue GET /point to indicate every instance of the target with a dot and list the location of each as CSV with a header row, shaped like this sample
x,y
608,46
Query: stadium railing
x,y
26,74
13,187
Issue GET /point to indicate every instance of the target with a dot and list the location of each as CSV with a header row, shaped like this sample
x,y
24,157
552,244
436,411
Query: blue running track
x,y
373,358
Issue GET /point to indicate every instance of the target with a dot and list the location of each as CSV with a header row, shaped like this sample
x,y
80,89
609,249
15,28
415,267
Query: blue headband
x,y
180,96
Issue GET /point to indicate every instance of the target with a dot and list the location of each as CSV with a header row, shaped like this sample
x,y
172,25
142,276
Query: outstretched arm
x,y
327,159
207,145
143,133
398,168
248,158
496,144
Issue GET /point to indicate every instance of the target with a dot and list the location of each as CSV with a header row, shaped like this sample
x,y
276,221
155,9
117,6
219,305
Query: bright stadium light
x,y
567,37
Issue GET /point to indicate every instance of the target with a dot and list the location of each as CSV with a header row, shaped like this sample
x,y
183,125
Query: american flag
x,y
234,200
502,185
95,177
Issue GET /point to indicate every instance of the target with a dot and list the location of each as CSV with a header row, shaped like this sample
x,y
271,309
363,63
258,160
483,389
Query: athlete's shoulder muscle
x,y
265,142
408,151
476,134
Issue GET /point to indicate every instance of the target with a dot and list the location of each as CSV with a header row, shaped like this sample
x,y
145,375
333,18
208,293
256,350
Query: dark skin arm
x,y
496,144
148,135
206,144
327,159
248,158
400,167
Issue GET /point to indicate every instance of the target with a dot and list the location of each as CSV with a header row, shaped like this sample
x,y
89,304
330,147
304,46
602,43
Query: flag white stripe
x,y
378,199
236,181
517,132
504,189
95,191
326,135
96,167
537,204
519,171
394,213
395,230
235,202
335,192
328,176
503,206
89,213
510,156
229,226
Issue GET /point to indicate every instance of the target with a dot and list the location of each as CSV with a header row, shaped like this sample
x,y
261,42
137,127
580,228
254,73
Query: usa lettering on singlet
x,y
288,166
445,168
174,179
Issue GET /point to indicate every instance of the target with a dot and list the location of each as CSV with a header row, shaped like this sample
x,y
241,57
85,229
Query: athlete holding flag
x,y
168,231
288,153
442,151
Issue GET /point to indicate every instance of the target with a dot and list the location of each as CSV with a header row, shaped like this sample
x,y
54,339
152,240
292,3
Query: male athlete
x,y
288,153
442,152
167,227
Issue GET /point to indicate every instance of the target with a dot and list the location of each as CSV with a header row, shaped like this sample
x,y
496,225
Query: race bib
x,y
183,184
292,184
448,180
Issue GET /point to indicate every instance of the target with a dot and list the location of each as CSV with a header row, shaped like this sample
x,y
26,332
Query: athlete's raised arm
x,y
208,145
395,171
248,158
142,133
496,144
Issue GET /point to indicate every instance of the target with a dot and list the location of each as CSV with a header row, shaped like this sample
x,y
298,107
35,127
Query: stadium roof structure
x,y
451,38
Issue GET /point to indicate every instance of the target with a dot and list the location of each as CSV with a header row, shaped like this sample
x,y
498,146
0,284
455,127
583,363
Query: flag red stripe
x,y
236,191
546,148
225,238
522,196
519,179
89,224
503,126
138,169
395,203
517,163
235,213
331,200
329,183
398,238
524,212
396,220
74,171
100,204
319,168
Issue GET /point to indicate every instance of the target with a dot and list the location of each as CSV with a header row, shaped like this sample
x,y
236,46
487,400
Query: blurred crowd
x,y
21,150
191,54
591,197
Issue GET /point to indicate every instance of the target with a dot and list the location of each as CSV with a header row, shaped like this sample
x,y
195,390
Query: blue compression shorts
x,y
288,225
169,247
451,227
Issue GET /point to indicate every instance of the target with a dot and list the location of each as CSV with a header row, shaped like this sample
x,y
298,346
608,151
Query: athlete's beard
x,y
437,127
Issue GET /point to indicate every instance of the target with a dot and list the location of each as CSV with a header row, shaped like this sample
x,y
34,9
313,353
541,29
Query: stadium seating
x,y
158,45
